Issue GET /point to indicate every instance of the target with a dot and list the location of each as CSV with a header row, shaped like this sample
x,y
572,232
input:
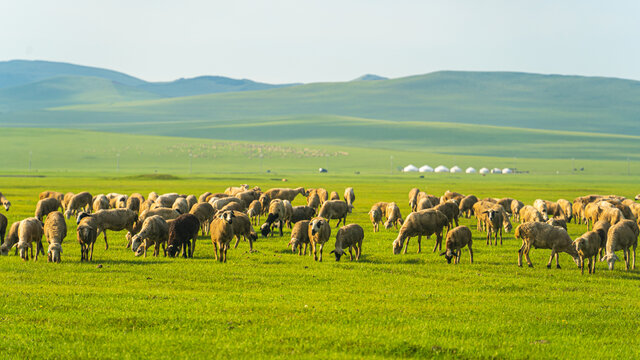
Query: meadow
x,y
273,304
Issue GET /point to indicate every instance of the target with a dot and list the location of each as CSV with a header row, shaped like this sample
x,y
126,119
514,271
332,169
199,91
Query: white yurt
x,y
442,169
470,170
496,171
507,171
484,171
410,168
456,169
426,168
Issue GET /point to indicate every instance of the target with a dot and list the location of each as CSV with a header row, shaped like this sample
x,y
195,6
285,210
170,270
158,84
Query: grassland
x,y
272,304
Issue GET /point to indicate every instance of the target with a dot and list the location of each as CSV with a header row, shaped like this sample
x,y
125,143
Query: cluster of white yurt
x,y
410,168
426,168
456,169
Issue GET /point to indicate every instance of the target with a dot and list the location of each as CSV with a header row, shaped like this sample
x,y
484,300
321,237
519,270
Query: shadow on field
x,y
135,261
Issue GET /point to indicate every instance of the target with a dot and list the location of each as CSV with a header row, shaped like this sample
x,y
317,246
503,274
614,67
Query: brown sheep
x,y
413,198
66,200
204,197
392,213
247,197
494,217
242,227
565,209
421,223
530,214
45,206
154,231
587,247
319,234
544,236
302,213
11,239
112,219
284,193
55,230
79,202
313,201
87,236
205,213
466,205
222,234
3,227
299,237
451,195
254,211
612,216
349,237
375,214
557,222
276,214
424,204
602,228
622,236
183,233
166,213
133,204
451,210
541,206
578,212
334,209
516,206
457,238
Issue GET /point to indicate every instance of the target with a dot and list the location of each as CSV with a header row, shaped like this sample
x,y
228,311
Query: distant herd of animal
x,y
174,220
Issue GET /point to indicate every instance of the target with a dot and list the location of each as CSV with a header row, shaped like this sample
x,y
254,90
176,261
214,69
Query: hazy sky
x,y
309,41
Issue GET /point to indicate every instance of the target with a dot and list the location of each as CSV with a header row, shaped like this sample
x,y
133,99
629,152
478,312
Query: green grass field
x,y
273,304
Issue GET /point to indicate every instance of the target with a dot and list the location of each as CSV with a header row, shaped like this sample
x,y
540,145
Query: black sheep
x,y
183,232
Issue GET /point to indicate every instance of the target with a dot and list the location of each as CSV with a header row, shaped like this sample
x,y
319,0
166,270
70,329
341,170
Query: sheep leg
x,y
215,252
581,265
358,251
106,244
156,249
470,253
593,270
313,251
625,251
553,253
321,246
250,244
225,253
281,228
91,252
351,253
633,265
305,248
237,241
406,246
500,237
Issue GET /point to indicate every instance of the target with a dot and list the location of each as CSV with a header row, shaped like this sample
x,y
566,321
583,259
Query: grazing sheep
x,y
593,210
119,202
100,202
319,234
557,222
30,231
424,204
112,219
313,201
11,239
166,213
479,209
516,206
323,195
247,197
181,205
452,195
335,209
79,202
466,205
3,227
349,197
138,196
216,196
66,200
530,214
146,205
222,234
191,201
587,247
154,231
218,204
413,198
254,211
578,209
541,206
203,198
349,237
299,237
288,212
622,236
5,202
451,210
392,213
276,213
55,230
544,236
566,209
434,200
421,223
87,236
204,212
457,238
167,200
264,203
45,206
183,233
242,227
375,214
53,194
334,196
602,228
302,213
493,221
612,216
233,190
505,203
133,204
553,209
284,193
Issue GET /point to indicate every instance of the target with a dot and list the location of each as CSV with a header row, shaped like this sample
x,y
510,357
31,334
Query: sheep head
x,y
53,253
24,248
611,260
81,216
397,246
7,205
173,250
447,255
265,229
338,252
316,225
136,241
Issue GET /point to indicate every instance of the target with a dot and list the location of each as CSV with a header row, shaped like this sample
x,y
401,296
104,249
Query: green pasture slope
x,y
273,304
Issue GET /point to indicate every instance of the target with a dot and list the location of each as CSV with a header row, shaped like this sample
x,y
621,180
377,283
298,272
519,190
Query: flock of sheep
x,y
172,221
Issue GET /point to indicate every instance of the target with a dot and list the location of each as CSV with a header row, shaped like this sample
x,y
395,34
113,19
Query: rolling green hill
x,y
205,85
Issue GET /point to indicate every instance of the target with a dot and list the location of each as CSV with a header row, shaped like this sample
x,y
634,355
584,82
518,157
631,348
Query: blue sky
x,y
311,41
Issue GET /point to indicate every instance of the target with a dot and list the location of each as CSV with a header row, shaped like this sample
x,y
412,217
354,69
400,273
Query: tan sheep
x,y
284,193
218,204
133,203
167,200
146,205
79,202
181,205
557,222
587,247
254,211
222,234
566,209
544,236
413,198
393,215
421,223
288,212
457,238
466,205
602,228
30,231
138,196
66,200
612,216
45,206
87,236
166,213
5,202
205,213
203,197
375,215
319,234
451,195
248,196
112,219
276,214
300,237
11,239
516,206
154,231
53,194
191,201
349,237
530,214
541,206
622,236
451,210
493,219
334,209
100,202
313,201
553,209
55,230
233,190
349,197
424,204
334,196
242,227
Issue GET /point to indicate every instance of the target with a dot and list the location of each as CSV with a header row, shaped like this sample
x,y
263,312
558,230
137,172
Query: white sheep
x,y
55,230
544,236
30,231
622,236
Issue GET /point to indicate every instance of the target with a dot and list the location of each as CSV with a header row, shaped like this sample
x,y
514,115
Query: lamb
x,y
276,213
334,209
166,200
530,214
242,227
154,231
557,222
11,239
45,206
421,223
516,206
587,247
66,200
133,203
204,213
334,196
299,237
349,237
544,236
233,190
541,206
466,205
247,197
191,201
55,230
284,193
566,209
181,205
302,213
30,231
319,234
87,236
349,197
222,234
622,236
254,211
392,213
5,202
451,210
79,202
166,213
112,219
375,214
413,198
183,233
100,202
457,238
423,204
